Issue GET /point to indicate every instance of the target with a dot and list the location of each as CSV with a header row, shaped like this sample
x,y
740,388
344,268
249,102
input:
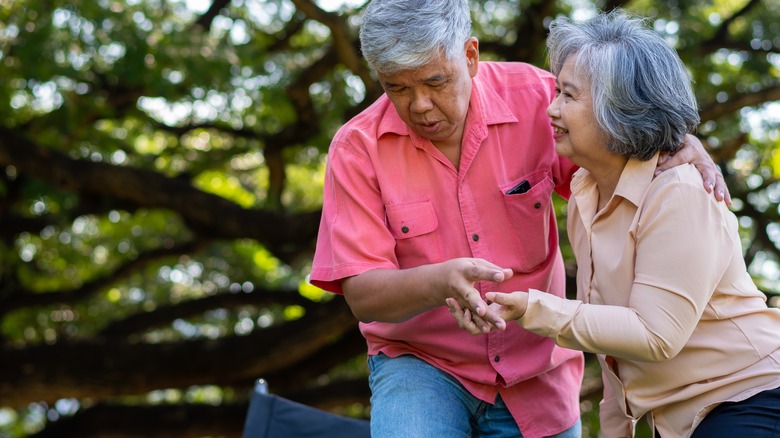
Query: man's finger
x,y
721,189
493,318
487,271
470,324
475,302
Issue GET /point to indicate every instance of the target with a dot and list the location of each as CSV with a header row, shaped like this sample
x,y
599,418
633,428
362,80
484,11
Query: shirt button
x,y
538,205
496,358
475,237
404,229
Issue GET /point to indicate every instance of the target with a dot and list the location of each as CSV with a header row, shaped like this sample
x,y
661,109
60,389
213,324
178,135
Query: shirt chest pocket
x,y
413,225
532,219
411,219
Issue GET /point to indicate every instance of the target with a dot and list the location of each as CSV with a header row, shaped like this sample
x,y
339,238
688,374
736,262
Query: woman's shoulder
x,y
682,187
683,175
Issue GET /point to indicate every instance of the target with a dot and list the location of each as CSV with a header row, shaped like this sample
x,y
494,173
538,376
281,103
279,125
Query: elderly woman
x,y
664,298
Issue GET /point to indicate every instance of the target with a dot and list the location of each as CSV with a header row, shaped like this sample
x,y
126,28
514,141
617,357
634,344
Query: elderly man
x,y
443,189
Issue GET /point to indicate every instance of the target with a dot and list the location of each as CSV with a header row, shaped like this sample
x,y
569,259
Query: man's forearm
x,y
388,295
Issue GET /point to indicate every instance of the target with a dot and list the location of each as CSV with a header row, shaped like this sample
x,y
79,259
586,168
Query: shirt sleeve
x,y
353,236
563,172
682,249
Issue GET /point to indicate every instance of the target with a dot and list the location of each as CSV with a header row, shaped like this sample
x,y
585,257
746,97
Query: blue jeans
x,y
412,398
756,417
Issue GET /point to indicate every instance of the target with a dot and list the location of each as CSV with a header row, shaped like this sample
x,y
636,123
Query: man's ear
x,y
472,55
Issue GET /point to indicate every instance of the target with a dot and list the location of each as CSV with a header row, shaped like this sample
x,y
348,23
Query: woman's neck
x,y
607,176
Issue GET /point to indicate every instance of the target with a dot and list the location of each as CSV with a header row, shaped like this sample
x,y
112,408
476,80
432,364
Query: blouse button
x,y
475,237
538,205
404,229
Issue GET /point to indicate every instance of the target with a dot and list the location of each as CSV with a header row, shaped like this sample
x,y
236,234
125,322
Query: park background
x,y
161,171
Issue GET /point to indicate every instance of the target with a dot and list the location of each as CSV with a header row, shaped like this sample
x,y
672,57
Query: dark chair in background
x,y
271,416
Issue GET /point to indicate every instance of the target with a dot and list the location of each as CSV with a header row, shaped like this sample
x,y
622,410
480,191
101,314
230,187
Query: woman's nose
x,y
552,109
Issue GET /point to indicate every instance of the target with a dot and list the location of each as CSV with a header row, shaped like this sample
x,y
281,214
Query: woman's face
x,y
577,135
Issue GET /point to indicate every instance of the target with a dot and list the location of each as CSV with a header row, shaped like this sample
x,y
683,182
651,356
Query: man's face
x,y
434,99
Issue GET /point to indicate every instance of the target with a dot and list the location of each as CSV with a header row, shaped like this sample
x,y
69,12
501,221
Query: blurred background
x,y
161,168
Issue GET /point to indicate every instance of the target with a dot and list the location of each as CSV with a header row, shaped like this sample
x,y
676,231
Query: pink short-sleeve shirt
x,y
393,201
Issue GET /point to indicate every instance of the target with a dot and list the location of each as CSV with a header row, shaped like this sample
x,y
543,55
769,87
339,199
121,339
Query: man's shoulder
x,y
520,85
520,73
367,120
373,113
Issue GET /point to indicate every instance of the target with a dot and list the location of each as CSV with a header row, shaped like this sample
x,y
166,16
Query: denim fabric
x,y
756,417
411,398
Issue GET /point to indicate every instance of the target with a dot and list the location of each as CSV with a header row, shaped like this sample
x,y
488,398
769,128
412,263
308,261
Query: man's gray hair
x,y
407,34
642,95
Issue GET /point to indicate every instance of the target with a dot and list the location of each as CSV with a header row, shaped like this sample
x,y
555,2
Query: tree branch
x,y
205,20
188,420
20,299
716,110
721,34
211,216
225,300
51,372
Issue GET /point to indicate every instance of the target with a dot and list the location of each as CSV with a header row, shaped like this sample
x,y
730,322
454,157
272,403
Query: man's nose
x,y
421,102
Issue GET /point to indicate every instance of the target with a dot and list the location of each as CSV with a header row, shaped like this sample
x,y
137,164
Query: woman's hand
x,y
511,306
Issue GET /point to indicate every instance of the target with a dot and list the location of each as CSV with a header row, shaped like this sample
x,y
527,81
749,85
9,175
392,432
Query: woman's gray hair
x,y
642,95
407,34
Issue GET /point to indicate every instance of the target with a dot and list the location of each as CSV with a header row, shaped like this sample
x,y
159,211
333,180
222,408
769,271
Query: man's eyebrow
x,y
436,78
391,84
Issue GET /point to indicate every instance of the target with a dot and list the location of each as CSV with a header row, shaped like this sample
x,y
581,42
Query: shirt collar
x,y
634,179
486,107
